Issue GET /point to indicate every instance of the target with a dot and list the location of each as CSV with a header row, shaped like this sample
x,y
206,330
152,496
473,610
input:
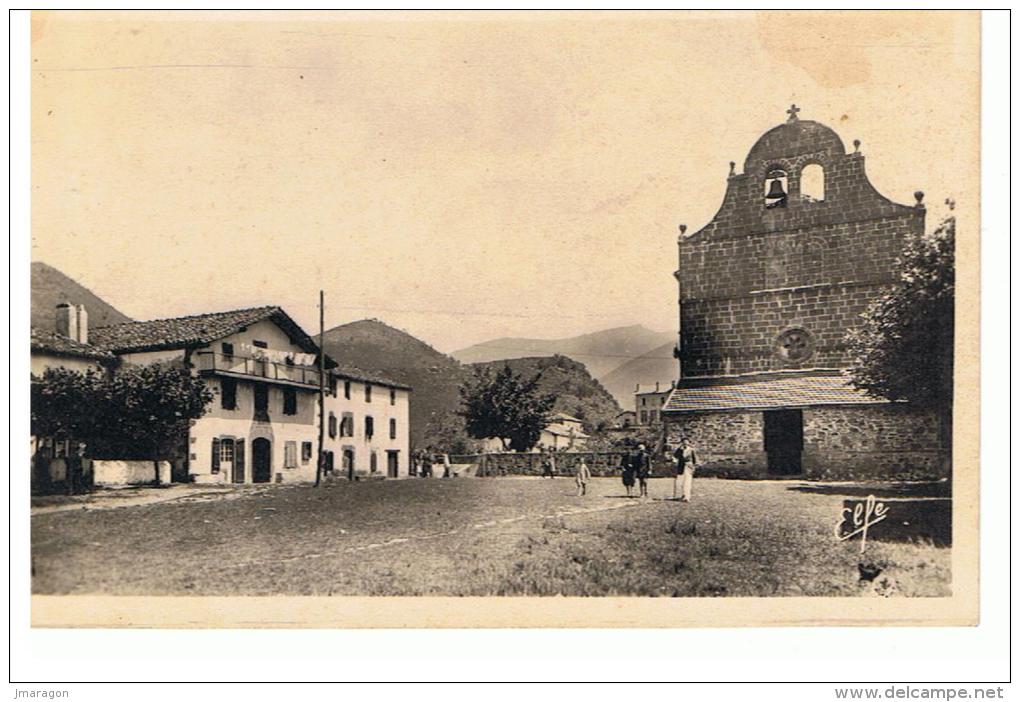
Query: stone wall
x,y
840,443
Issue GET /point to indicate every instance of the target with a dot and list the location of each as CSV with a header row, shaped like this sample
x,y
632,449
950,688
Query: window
x,y
775,188
347,389
653,415
259,344
368,392
393,396
61,449
347,424
289,401
290,454
644,417
262,403
228,393
373,462
332,425
369,427
222,453
306,451
393,428
332,385
812,183
227,349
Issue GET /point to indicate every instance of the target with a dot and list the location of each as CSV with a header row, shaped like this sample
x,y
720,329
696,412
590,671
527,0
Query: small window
x,y
812,183
260,344
347,424
393,396
332,385
289,401
644,417
227,349
290,454
347,389
369,427
373,462
393,428
306,451
776,188
332,425
368,392
228,393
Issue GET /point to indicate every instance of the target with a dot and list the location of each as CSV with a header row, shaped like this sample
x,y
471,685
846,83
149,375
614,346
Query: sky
x,y
460,176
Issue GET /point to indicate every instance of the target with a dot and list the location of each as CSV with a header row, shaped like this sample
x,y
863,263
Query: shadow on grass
x,y
941,488
912,521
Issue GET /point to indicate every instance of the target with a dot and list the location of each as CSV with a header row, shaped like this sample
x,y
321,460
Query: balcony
x,y
213,363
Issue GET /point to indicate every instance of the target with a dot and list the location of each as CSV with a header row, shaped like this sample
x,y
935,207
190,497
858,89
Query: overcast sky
x,y
460,177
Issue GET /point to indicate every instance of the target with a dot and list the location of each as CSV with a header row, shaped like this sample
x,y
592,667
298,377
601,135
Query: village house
x,y
368,425
648,404
801,246
263,424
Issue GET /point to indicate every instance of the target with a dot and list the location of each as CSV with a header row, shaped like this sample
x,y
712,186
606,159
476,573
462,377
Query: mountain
x,y
600,352
577,393
656,365
374,347
51,287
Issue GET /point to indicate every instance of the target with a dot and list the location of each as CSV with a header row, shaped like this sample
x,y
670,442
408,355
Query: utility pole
x,y
322,388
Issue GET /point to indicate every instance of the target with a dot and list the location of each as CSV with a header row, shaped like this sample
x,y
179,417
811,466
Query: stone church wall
x,y
877,442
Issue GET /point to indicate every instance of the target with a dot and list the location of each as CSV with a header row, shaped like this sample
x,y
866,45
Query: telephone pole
x,y
322,388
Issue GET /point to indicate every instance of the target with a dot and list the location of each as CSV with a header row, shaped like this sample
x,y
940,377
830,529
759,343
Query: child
x,y
582,477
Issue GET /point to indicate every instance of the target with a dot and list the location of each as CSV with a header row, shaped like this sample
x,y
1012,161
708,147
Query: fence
x,y
601,464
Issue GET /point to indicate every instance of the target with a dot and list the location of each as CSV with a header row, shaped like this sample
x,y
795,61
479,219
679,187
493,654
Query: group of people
x,y
636,467
423,462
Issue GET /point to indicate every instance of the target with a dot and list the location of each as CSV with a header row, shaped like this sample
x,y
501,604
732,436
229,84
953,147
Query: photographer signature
x,y
863,515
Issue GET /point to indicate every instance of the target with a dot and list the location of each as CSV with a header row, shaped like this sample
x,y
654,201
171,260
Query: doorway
x,y
348,459
261,461
784,441
392,464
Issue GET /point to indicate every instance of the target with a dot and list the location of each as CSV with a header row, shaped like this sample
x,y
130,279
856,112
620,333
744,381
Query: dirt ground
x,y
486,536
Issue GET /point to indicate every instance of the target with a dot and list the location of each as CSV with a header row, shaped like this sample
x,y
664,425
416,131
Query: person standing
x,y
582,477
628,472
643,469
686,462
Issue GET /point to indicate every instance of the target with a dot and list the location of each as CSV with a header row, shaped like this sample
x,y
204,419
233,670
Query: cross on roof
x,y
793,113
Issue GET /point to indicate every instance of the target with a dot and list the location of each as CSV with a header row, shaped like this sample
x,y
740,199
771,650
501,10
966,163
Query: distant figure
x,y
643,468
548,464
686,461
628,472
446,465
582,477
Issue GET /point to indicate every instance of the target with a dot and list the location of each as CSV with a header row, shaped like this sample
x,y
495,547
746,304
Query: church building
x,y
800,247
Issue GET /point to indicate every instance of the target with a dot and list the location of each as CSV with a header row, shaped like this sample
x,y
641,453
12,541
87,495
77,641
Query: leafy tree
x,y
505,406
68,406
447,432
151,408
903,349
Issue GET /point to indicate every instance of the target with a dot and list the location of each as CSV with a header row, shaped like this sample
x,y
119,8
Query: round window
x,y
795,345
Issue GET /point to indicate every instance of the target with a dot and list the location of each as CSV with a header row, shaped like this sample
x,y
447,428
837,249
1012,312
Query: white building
x,y
648,403
263,423
368,425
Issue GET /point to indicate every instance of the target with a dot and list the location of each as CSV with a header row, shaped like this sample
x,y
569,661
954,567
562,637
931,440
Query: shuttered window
x,y
228,393
332,425
393,428
393,397
215,456
290,454
369,427
306,451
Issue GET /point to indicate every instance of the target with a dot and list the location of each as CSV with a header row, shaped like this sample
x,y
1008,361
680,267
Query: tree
x,y
151,407
447,431
67,406
903,349
505,406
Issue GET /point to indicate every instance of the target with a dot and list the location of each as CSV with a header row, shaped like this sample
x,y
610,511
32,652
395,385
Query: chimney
x,y
637,388
67,321
656,386
83,324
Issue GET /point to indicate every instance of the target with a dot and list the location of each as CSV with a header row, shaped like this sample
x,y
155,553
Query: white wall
x,y
240,422
43,361
107,473
382,411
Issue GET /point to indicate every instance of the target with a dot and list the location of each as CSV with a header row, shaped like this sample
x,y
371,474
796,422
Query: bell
x,y
775,190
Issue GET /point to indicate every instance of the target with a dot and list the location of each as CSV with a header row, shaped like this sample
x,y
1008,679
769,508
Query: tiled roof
x,y
772,393
356,374
193,331
58,345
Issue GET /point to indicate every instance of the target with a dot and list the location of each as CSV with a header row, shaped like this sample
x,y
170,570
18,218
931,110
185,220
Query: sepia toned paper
x,y
475,175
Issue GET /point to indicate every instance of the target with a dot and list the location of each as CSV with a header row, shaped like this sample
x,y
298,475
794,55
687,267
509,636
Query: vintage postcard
x,y
504,319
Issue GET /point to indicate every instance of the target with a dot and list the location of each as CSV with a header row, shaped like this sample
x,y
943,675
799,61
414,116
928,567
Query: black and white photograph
x,y
365,315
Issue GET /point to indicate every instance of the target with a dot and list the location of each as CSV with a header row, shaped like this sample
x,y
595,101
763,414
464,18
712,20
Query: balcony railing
x,y
213,362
